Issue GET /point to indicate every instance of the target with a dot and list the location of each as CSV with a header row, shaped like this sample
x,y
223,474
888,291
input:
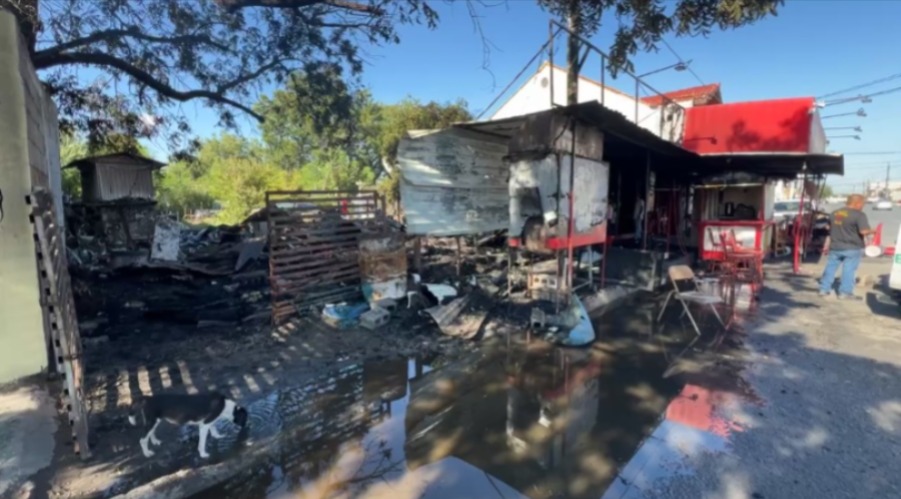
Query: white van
x,y
894,280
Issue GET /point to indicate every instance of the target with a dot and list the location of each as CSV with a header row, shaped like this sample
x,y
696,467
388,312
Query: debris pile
x,y
212,278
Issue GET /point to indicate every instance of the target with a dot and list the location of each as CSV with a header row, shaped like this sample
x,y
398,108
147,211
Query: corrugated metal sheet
x,y
454,182
123,181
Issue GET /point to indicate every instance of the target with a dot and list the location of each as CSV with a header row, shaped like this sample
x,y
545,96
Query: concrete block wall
x,y
29,156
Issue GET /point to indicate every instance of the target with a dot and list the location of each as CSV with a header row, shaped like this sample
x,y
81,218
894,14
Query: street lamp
x,y
865,99
855,137
860,112
679,66
855,128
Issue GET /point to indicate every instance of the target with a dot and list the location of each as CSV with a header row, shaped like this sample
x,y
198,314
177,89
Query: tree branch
x,y
221,89
233,5
147,79
46,56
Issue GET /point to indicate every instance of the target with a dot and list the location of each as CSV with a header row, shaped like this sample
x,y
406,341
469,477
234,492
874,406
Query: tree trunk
x,y
26,13
572,54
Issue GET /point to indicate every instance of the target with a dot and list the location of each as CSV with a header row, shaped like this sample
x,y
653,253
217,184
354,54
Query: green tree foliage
x,y
314,113
238,176
395,120
642,24
389,123
170,51
71,149
296,153
180,191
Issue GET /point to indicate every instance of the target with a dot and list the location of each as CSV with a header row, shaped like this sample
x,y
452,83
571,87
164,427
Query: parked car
x,y
784,210
883,204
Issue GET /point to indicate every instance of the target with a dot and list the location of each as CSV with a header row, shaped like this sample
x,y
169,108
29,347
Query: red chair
x,y
743,264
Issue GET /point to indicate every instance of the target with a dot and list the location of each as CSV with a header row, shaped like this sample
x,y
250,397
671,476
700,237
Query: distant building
x,y
702,95
117,210
535,95
114,177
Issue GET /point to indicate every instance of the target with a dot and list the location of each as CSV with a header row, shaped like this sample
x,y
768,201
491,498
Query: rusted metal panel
x,y
454,182
314,239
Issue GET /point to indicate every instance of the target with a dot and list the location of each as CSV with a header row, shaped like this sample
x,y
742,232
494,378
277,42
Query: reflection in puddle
x,y
520,420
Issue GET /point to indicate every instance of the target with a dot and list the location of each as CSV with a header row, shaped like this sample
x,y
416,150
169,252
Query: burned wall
x,y
98,230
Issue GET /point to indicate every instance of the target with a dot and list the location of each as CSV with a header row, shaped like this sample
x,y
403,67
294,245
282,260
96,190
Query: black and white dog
x,y
203,410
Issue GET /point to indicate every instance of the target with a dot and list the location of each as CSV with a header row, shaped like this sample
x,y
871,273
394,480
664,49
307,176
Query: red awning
x,y
779,137
771,126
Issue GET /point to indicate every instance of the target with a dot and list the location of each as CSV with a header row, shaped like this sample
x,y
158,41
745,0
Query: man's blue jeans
x,y
849,260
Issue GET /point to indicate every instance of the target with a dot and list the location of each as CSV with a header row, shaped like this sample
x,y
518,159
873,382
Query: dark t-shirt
x,y
846,224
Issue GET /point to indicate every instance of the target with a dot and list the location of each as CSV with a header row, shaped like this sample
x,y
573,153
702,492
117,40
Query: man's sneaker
x,y
824,294
850,297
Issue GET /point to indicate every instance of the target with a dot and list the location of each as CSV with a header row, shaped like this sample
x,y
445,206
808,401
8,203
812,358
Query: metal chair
x,y
679,276
745,265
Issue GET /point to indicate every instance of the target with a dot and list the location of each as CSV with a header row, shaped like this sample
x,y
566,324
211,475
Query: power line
x,y
862,97
871,153
862,85
687,66
519,75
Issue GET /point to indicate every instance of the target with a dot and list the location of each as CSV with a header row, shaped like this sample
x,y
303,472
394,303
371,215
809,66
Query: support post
x,y
572,55
647,200
796,250
417,254
550,57
511,255
459,259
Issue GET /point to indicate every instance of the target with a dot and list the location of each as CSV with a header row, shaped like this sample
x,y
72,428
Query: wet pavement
x,y
518,419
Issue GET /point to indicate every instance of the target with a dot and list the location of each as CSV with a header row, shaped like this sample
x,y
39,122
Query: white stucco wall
x,y
534,95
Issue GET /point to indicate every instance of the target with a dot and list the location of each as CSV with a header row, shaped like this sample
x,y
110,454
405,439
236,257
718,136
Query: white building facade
x,y
665,121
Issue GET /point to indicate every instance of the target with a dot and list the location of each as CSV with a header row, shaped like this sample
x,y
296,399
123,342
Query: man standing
x,y
848,226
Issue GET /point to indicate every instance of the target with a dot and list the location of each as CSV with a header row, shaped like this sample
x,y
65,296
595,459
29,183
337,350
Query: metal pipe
x,y
550,58
607,239
647,187
603,73
571,224
603,54
796,251
636,100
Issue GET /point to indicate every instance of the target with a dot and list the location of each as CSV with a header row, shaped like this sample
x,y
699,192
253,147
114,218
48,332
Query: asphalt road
x,y
891,221
818,416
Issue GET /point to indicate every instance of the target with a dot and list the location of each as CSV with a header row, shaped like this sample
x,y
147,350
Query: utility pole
x,y
888,170
574,18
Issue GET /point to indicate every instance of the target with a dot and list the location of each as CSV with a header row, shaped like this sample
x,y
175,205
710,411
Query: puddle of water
x,y
522,420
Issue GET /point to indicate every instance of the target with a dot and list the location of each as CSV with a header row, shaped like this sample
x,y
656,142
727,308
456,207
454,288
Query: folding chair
x,y
679,276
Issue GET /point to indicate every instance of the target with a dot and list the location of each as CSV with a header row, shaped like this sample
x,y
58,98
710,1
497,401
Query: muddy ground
x,y
150,331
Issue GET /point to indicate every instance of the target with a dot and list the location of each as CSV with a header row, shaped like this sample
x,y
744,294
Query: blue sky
x,y
812,48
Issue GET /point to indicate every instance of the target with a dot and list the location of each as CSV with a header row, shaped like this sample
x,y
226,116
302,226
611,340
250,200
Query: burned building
x,y
117,213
